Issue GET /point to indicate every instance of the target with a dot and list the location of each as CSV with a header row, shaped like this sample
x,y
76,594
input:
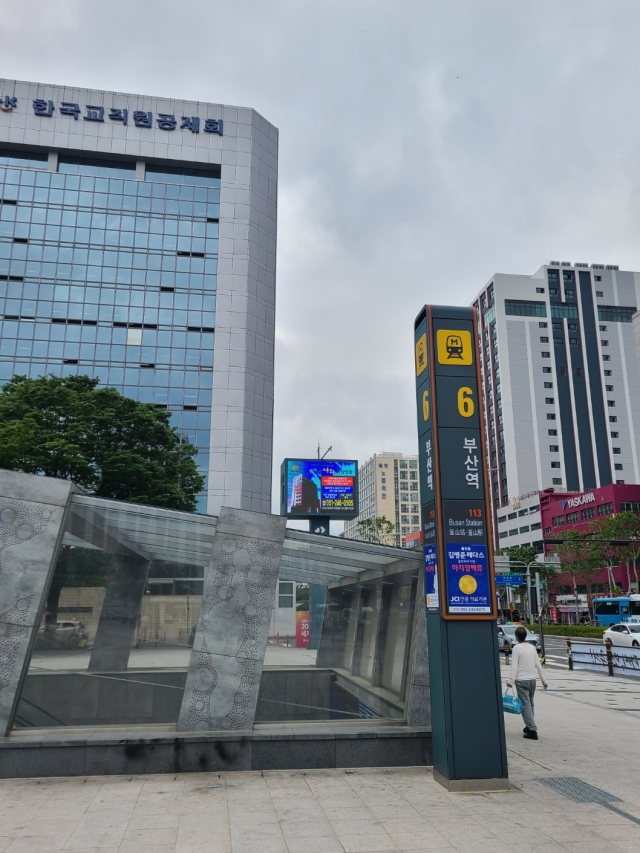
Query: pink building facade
x,y
563,511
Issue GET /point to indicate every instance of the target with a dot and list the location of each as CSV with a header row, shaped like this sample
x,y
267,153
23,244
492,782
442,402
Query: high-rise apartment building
x,y
137,245
560,379
388,485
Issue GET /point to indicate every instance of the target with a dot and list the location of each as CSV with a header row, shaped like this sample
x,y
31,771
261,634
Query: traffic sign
x,y
509,579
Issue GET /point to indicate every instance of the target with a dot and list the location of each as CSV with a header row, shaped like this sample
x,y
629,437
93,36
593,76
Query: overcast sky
x,y
423,147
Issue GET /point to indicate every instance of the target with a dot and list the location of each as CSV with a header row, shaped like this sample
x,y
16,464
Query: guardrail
x,y
603,657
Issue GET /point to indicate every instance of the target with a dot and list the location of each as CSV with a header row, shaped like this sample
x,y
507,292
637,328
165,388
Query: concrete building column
x,y
222,685
120,613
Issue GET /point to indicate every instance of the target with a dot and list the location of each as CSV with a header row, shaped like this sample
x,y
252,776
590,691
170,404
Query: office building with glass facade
x,y
137,245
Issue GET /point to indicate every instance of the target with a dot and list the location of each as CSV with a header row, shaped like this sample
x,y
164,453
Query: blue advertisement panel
x,y
468,581
327,487
431,578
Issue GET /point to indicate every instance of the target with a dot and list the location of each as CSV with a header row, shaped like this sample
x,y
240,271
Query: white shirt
x,y
525,664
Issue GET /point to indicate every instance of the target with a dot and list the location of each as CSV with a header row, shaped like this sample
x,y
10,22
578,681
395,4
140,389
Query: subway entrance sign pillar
x,y
469,751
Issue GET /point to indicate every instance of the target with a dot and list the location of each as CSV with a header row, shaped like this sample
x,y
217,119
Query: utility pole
x,y
527,566
320,524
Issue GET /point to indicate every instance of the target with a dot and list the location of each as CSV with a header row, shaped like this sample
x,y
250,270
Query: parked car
x,y
507,637
62,635
623,634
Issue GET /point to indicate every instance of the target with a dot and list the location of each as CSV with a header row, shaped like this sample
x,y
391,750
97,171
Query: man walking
x,y
524,667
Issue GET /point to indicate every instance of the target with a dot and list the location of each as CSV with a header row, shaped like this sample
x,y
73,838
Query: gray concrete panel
x,y
231,637
153,752
32,512
418,692
28,487
120,613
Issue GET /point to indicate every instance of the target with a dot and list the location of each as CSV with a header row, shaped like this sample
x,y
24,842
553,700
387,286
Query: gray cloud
x,y
424,146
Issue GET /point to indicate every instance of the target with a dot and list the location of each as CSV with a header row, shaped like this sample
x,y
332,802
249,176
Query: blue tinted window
x,y
103,251
560,310
525,308
177,175
26,159
96,167
616,313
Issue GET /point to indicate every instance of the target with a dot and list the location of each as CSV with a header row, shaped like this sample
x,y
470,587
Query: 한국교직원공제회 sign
x,y
45,108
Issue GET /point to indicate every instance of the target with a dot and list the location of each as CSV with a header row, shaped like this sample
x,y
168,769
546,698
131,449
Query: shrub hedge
x,y
576,631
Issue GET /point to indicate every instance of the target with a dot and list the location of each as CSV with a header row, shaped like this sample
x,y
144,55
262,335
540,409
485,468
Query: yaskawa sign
x,y
589,498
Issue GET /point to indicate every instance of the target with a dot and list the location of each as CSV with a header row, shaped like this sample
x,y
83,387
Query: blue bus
x,y
610,611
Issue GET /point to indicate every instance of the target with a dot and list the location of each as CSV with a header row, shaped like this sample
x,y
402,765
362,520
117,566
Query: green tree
x,y
109,445
520,556
629,528
520,553
379,530
609,529
302,596
579,557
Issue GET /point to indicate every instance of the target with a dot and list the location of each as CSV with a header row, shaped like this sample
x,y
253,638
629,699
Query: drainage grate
x,y
577,790
581,792
621,813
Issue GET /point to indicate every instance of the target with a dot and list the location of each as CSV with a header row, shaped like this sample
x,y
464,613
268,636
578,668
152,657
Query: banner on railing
x,y
593,656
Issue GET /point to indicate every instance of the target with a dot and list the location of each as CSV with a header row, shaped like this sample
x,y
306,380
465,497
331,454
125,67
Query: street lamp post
x,y
527,567
538,598
533,562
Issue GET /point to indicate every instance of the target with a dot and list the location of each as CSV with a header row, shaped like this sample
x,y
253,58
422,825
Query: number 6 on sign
x,y
425,406
465,402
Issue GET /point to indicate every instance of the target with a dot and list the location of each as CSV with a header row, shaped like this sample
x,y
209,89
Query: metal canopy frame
x,y
134,535
152,532
172,535
330,560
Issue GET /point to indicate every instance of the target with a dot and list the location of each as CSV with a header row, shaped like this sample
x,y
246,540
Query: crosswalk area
x,y
555,658
559,661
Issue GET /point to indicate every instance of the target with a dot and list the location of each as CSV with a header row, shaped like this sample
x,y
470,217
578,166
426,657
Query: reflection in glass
x,y
357,668
120,617
118,628
397,633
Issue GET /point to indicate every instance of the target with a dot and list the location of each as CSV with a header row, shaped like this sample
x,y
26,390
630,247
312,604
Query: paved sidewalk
x,y
586,731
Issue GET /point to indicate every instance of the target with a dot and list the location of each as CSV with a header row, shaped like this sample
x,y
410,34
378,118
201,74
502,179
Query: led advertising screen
x,y
326,487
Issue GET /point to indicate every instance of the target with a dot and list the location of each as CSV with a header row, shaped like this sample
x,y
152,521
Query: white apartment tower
x,y
560,379
389,486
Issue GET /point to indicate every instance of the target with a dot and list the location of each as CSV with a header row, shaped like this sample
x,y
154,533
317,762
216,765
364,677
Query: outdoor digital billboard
x,y
327,487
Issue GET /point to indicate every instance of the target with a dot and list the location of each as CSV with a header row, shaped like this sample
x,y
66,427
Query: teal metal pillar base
x,y
472,786
466,705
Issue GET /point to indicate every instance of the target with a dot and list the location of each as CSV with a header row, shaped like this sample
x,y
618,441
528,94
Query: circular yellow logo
x,y
467,584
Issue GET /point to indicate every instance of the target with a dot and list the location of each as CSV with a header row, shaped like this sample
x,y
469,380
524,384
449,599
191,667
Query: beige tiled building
x,y
389,486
